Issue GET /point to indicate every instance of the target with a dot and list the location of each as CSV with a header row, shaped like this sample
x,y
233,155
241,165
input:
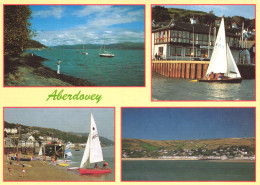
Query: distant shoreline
x,y
157,159
28,70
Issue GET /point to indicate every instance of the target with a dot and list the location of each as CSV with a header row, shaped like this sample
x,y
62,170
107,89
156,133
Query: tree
x,y
16,29
160,14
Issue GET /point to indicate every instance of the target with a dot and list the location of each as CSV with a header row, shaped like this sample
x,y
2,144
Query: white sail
x,y
233,71
40,152
93,150
218,61
67,153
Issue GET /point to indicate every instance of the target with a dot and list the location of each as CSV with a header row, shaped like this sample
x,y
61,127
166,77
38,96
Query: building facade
x,y
184,41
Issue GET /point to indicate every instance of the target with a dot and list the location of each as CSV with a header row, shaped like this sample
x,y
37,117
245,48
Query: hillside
x,y
65,136
35,44
125,45
211,144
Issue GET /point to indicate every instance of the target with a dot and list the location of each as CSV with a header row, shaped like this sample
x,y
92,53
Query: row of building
x,y
184,41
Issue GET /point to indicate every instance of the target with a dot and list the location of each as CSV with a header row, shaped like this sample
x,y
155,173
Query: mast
x,y
89,140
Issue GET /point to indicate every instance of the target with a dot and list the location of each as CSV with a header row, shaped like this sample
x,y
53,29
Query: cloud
x,y
95,22
54,11
110,15
84,36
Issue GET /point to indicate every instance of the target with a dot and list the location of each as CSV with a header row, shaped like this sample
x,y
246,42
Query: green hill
x,y
125,45
211,144
35,44
65,136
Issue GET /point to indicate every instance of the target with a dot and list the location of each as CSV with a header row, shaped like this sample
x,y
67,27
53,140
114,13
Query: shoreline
x,y
157,159
28,70
35,171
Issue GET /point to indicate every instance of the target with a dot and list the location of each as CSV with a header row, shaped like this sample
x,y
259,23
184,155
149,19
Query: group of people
x,y
105,166
10,169
216,76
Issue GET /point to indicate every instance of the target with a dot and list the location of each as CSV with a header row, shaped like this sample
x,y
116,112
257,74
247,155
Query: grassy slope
x,y
141,144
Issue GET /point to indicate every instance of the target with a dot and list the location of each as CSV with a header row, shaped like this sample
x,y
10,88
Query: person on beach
x,y
10,169
53,159
44,159
23,171
58,70
18,159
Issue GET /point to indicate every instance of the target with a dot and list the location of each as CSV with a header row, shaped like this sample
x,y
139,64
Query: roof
x,y
198,28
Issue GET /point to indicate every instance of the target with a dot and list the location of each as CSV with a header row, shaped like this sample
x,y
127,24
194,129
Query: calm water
x,y
187,171
164,88
125,69
108,154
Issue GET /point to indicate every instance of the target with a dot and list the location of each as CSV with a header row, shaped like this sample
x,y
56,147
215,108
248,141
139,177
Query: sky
x,y
64,119
187,123
247,11
87,24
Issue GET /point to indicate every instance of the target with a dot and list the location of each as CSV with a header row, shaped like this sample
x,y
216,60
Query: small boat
x,y
84,52
21,159
222,67
93,152
63,164
67,152
104,53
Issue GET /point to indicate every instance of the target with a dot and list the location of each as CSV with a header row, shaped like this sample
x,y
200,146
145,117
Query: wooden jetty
x,y
193,69
181,69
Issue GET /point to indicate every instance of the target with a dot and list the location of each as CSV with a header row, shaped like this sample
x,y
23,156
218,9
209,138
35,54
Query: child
x,y
23,171
44,159
10,169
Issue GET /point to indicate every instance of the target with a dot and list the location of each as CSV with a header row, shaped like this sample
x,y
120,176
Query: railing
x,y
186,58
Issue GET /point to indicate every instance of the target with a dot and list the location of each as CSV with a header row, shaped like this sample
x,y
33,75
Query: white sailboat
x,y
67,152
84,52
103,52
93,152
222,66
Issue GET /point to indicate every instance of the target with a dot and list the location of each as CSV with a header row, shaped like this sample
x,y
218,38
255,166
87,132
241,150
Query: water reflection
x,y
164,88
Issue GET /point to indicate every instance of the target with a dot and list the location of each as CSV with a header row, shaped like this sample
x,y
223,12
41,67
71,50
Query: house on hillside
x,y
27,140
188,41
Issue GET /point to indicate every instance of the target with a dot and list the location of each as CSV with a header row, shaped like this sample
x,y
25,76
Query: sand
x,y
28,70
38,172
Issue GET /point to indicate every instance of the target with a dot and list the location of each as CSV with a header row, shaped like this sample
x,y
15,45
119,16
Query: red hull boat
x,y
89,171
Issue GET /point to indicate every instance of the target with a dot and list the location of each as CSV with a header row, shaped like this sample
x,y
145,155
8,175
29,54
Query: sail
x,y
40,152
218,61
67,153
233,71
93,148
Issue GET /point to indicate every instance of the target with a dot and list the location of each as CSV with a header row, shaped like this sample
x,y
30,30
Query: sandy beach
x,y
38,172
28,70
157,159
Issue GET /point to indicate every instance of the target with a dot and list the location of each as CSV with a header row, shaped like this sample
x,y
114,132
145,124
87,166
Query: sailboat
x,y
84,52
222,67
105,53
93,152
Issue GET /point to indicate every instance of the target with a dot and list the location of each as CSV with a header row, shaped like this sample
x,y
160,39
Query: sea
x,y
164,88
199,170
108,155
125,69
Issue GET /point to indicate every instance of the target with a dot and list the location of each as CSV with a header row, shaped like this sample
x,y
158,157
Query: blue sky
x,y
187,123
247,11
87,24
65,119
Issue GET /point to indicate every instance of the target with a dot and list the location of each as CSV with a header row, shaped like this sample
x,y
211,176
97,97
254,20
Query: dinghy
x,y
93,152
222,67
